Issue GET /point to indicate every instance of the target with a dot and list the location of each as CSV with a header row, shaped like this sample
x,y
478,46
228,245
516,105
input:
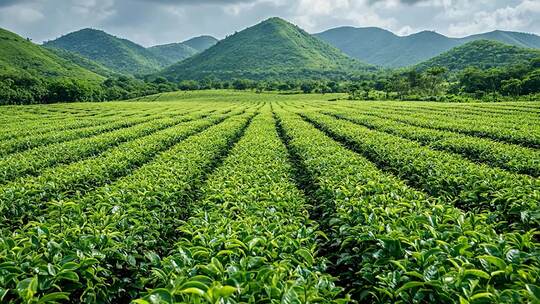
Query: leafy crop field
x,y
224,197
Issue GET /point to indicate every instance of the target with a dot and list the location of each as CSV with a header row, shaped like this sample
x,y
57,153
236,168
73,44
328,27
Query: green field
x,y
238,197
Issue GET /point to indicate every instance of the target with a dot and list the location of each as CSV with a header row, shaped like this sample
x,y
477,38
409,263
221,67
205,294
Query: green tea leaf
x,y
476,273
481,295
534,291
3,293
194,284
159,296
498,262
27,287
54,297
193,290
409,285
306,255
226,291
68,275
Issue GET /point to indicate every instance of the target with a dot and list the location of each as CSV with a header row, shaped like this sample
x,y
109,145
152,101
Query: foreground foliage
x,y
224,197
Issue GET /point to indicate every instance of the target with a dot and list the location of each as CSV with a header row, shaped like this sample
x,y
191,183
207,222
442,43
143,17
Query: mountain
x,y
173,52
381,47
271,49
82,61
483,54
21,56
513,38
201,43
119,55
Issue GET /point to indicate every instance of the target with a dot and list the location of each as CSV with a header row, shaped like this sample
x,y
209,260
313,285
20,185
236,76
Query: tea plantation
x,y
235,197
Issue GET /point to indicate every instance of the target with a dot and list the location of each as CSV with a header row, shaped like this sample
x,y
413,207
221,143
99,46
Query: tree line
x,y
25,89
434,83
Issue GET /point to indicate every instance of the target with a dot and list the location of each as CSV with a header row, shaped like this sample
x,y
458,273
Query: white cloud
x,y
322,7
24,14
519,18
389,4
322,14
405,31
161,21
97,9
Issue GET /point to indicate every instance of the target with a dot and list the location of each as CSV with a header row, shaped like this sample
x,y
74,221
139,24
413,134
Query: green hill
x,y
273,48
82,61
22,57
201,43
482,54
119,55
381,47
513,38
173,52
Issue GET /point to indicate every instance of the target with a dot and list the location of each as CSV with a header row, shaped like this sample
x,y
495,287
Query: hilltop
x,y
381,47
174,52
117,54
273,48
482,54
22,57
201,43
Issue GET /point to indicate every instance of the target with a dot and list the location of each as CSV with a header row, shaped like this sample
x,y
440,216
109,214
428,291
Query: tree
x,y
188,85
400,85
511,87
365,87
21,89
472,80
283,86
208,82
354,91
382,84
493,80
67,90
160,80
259,87
242,84
433,80
333,86
531,83
414,78
308,86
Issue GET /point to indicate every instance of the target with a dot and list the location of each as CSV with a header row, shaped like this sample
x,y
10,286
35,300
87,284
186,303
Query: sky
x,y
151,22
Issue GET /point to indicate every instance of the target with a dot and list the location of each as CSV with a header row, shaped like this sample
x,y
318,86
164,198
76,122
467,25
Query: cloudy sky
x,y
151,22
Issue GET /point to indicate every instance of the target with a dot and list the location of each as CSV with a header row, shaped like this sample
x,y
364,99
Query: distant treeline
x,y
20,89
501,83
431,84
